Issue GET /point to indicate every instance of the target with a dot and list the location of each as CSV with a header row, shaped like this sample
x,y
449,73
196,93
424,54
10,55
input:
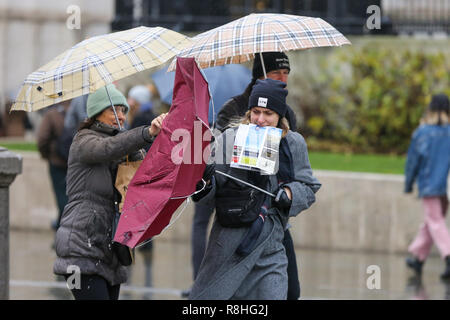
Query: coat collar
x,y
104,128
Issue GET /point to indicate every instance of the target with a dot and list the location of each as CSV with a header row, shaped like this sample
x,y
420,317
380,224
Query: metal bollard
x,y
10,166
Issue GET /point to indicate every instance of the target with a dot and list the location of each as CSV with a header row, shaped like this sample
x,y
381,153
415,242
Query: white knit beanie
x,y
140,93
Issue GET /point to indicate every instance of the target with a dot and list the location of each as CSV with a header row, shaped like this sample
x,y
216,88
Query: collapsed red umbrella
x,y
174,163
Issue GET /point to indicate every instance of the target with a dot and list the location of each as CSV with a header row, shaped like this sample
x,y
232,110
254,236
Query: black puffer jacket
x,y
84,236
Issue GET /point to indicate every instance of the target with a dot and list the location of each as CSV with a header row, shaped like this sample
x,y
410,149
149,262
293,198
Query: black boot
x,y
446,274
415,264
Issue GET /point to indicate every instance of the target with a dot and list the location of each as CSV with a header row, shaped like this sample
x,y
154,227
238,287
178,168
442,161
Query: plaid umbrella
x,y
239,40
96,62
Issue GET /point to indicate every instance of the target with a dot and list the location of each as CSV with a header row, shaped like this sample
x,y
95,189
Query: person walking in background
x,y
48,142
139,99
144,105
141,106
75,115
428,161
245,257
84,237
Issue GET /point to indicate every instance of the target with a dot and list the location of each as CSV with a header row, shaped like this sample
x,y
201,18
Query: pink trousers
x,y
433,229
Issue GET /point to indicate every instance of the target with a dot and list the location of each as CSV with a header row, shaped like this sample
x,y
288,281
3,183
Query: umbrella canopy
x,y
224,82
96,62
171,169
239,40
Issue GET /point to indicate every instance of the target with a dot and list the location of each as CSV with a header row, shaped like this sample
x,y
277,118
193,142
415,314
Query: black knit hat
x,y
272,61
439,102
271,94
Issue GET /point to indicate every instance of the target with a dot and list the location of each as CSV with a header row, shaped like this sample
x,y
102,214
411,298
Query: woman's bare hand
x,y
156,125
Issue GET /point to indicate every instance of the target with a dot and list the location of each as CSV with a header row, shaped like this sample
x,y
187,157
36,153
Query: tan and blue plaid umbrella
x,y
239,40
96,62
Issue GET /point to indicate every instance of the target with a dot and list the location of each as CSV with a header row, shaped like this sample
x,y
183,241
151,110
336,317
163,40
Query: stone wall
x,y
354,211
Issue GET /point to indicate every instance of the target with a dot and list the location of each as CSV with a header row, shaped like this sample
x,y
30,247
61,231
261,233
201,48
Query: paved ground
x,y
323,274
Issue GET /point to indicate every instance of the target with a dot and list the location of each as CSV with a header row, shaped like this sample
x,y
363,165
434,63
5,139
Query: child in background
x,y
429,161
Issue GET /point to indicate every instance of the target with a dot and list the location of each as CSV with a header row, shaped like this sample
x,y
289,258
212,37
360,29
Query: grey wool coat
x,y
261,274
85,233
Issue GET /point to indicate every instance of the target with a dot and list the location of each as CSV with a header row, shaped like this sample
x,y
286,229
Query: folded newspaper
x,y
256,148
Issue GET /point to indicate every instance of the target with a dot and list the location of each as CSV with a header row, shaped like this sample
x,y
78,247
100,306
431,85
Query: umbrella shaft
x,y
263,66
114,109
246,183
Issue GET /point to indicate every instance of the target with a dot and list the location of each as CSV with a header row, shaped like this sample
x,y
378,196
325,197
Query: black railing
x,y
348,16
418,16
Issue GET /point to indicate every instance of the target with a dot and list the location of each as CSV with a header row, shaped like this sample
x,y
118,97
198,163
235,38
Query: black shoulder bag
x,y
238,205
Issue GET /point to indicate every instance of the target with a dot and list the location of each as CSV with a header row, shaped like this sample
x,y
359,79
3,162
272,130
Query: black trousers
x,y
58,177
94,287
199,235
293,282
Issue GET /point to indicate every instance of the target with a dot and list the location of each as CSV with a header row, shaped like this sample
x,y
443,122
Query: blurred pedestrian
x,y
139,99
144,114
77,113
2,126
84,238
72,121
245,257
277,67
48,143
140,102
428,161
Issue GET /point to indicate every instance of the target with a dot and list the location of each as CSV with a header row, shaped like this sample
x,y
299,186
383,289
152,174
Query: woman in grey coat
x,y
84,245
245,258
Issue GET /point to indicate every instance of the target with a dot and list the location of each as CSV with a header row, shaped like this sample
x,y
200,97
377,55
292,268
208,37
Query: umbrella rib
x,y
85,73
255,35
328,35
113,53
97,61
100,67
291,35
309,33
126,50
173,49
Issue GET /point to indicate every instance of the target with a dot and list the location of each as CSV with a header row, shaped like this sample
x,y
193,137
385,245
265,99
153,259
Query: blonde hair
x,y
283,124
435,118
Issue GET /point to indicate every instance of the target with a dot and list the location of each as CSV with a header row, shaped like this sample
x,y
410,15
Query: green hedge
x,y
370,99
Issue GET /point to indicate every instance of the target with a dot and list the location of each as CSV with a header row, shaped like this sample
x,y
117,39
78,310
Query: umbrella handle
x,y
183,197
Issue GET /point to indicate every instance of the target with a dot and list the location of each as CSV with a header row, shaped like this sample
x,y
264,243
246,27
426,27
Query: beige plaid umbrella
x,y
239,40
96,62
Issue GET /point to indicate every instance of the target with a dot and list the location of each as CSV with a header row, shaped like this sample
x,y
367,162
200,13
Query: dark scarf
x,y
286,167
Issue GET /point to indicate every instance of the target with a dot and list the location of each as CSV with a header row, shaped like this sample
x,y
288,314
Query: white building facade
x,y
32,32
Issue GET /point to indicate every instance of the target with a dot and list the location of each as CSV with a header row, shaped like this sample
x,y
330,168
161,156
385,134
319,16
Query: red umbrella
x,y
174,163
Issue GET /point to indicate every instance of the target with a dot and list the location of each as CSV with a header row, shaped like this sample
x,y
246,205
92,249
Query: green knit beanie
x,y
99,100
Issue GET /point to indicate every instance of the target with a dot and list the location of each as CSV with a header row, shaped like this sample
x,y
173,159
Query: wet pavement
x,y
323,274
